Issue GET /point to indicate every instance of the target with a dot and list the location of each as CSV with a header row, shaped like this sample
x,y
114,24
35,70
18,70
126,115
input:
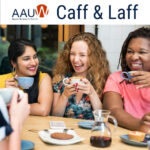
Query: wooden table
x,y
35,123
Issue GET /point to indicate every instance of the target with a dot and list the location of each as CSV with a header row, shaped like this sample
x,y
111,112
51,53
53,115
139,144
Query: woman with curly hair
x,y
82,56
129,100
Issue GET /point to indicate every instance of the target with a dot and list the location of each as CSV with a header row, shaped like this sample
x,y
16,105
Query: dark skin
x,y
116,107
142,79
138,60
125,119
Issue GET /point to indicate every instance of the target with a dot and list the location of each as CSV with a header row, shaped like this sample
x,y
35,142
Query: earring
x,y
14,71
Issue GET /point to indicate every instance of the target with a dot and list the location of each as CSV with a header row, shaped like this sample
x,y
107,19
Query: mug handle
x,y
114,121
66,84
20,93
126,75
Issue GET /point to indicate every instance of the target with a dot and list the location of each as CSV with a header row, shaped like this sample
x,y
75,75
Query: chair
x,y
5,66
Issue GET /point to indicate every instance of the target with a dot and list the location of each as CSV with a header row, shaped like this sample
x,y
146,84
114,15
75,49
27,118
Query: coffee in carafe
x,y
101,134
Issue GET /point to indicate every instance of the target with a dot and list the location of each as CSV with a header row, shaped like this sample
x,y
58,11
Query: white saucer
x,y
45,136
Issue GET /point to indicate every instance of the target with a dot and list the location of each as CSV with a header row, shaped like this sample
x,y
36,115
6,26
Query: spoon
x,y
66,130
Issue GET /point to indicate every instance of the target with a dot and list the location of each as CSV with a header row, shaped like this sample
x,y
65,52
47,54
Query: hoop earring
x,y
14,71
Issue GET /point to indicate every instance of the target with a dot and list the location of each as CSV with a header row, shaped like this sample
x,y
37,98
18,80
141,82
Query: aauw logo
x,y
41,11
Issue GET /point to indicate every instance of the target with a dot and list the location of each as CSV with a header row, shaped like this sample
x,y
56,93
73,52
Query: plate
x,y
26,145
86,124
45,136
126,139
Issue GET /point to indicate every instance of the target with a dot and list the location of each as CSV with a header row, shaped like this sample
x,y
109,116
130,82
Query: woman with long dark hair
x,y
22,55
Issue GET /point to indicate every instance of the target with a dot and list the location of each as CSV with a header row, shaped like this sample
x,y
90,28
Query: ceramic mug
x,y
25,82
127,75
6,94
73,80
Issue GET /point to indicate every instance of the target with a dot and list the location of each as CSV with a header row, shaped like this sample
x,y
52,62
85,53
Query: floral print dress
x,y
82,110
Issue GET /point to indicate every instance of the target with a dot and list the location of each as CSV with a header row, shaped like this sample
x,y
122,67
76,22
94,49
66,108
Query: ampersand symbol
x,y
97,14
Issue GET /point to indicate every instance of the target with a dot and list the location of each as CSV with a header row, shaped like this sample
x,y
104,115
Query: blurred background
x,y
50,40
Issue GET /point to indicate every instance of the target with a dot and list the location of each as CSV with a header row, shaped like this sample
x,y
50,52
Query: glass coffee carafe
x,y
101,134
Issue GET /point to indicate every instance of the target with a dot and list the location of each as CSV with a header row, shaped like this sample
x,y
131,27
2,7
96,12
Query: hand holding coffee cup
x,y
6,94
71,85
139,78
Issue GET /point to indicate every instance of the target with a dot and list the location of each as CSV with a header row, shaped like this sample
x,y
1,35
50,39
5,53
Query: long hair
x,y
98,65
142,32
16,49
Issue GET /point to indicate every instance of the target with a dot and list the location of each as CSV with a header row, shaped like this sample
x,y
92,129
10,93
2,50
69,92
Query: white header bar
x,y
75,12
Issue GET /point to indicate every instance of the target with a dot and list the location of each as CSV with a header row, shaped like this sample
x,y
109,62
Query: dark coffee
x,y
100,141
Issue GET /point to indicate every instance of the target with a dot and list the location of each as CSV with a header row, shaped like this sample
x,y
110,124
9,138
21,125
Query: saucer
x,y
26,145
86,124
126,139
46,137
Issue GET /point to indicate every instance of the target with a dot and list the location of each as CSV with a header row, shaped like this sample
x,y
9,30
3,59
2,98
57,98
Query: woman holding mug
x,y
22,55
129,100
82,57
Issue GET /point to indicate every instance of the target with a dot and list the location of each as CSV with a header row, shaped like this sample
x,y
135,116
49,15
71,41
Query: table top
x,y
34,124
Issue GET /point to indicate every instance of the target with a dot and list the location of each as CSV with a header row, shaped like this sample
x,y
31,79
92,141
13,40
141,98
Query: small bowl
x,y
6,94
25,82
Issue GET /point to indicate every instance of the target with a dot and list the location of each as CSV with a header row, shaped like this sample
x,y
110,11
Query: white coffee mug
x,y
6,94
73,80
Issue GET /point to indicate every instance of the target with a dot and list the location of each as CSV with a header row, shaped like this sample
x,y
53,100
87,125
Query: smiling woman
x,y
82,57
22,55
79,51
129,100
138,54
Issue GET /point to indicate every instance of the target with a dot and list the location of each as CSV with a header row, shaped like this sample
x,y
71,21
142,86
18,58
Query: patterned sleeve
x,y
5,128
58,87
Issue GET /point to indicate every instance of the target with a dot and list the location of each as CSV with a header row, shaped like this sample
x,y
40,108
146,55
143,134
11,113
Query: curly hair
x,y
98,65
143,32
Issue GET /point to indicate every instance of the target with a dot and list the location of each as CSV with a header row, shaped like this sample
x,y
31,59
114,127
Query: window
x,y
45,38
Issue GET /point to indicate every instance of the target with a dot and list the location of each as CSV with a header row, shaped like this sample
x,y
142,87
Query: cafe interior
x,y
37,130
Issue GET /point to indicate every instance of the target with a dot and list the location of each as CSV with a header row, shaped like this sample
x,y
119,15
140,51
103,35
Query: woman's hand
x,y
144,125
146,119
19,110
69,90
88,89
11,83
142,78
85,88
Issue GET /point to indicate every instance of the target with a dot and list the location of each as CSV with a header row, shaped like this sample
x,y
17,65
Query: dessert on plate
x,y
61,136
136,136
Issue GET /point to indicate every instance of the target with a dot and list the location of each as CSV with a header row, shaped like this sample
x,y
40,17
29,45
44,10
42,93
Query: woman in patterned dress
x,y
82,56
